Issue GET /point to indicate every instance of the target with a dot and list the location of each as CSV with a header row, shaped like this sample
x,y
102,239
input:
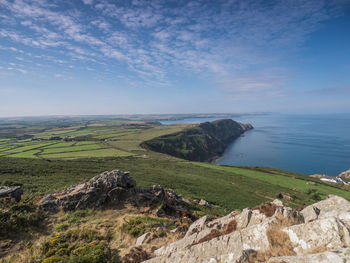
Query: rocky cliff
x,y
268,233
201,143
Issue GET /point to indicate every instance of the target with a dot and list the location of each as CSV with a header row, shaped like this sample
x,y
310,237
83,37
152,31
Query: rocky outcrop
x,y
113,188
345,175
200,143
267,233
336,256
12,192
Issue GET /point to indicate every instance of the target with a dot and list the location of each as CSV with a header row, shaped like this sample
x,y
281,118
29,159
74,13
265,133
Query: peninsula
x,y
202,142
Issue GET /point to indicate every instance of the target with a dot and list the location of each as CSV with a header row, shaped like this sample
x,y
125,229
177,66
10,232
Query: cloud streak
x,y
233,41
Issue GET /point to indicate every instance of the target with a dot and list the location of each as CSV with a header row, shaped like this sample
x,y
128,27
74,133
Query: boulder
x,y
50,204
345,175
254,237
333,206
142,239
13,192
328,233
108,187
277,202
205,203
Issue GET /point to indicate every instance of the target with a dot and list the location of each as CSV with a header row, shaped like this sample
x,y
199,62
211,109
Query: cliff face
x,y
200,143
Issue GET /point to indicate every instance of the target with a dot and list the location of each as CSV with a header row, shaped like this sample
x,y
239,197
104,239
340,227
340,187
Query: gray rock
x,y
115,187
142,239
197,226
333,206
108,187
13,192
175,230
310,213
337,256
243,218
329,233
345,175
50,204
125,180
277,202
203,202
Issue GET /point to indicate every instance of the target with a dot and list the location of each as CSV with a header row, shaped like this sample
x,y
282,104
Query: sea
x,y
302,143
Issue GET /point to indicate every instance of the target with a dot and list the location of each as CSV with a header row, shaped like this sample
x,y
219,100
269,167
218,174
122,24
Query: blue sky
x,y
118,57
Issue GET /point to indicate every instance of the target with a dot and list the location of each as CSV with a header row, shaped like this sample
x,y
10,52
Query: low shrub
x,y
139,225
61,227
78,246
19,217
78,216
314,194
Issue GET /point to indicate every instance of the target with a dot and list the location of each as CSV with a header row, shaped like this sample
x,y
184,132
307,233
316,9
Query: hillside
x,y
200,143
109,218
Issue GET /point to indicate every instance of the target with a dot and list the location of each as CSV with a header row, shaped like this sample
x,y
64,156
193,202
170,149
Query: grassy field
x,y
44,165
116,139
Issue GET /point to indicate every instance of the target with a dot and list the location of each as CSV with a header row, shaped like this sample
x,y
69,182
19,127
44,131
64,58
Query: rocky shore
x,y
342,178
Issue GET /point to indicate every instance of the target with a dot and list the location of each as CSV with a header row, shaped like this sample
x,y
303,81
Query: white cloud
x,y
88,2
23,71
153,40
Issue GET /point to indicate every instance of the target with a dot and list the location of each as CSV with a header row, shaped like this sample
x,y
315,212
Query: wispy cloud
x,y
234,41
332,91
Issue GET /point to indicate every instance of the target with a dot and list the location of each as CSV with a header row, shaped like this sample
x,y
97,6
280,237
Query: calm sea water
x,y
306,144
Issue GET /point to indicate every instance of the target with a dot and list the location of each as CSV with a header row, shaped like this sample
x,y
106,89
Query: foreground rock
x,y
336,256
113,188
267,233
12,192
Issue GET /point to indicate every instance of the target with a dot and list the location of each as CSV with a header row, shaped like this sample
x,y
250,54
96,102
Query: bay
x,y
303,143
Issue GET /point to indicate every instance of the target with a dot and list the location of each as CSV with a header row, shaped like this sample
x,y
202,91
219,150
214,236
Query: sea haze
x,y
305,144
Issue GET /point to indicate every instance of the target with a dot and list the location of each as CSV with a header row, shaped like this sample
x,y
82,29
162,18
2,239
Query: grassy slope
x,y
231,188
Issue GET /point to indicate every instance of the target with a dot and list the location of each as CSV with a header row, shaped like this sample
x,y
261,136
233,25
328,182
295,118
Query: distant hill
x,y
200,143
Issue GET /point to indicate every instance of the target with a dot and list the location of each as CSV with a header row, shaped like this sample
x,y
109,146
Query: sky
x,y
69,57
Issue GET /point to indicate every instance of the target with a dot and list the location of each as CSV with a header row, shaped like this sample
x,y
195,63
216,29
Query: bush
x,y
78,246
314,194
61,227
139,225
19,217
78,216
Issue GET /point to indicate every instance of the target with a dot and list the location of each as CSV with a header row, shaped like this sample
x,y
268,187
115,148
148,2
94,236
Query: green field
x,y
103,140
